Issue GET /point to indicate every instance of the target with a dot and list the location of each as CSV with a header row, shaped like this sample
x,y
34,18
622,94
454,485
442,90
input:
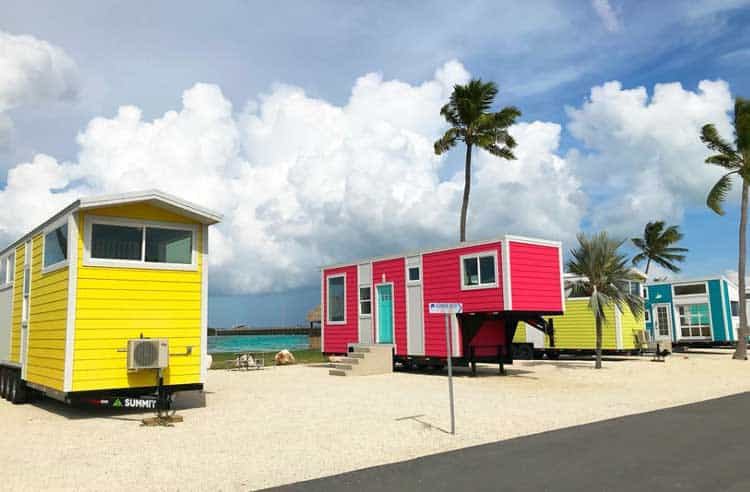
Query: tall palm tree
x,y
603,274
468,112
656,245
736,160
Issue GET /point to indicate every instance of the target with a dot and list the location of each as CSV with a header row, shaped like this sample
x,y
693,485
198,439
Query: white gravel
x,y
289,424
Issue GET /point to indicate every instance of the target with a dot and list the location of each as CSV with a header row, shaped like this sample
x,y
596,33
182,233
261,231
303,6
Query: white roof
x,y
152,197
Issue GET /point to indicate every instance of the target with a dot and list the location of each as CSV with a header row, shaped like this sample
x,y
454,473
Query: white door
x,y
662,322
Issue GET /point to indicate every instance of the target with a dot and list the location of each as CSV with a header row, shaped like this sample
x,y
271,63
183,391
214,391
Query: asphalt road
x,y
699,447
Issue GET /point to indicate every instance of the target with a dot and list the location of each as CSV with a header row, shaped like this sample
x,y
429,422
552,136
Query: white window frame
x,y
409,281
359,297
90,220
689,296
679,324
478,255
10,272
63,222
328,299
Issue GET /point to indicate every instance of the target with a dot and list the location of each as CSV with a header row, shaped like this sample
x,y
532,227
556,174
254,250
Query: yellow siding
x,y
15,343
576,329
117,304
520,336
47,322
630,326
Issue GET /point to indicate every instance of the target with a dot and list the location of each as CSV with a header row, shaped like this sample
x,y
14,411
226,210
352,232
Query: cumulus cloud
x,y
303,182
644,158
32,71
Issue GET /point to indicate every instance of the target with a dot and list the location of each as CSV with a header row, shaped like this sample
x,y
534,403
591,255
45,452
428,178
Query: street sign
x,y
446,307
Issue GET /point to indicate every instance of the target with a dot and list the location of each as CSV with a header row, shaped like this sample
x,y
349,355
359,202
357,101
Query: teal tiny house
x,y
695,311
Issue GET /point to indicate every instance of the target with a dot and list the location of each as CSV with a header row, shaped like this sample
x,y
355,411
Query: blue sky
x,y
546,58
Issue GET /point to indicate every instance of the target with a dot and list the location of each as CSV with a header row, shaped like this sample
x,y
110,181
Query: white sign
x,y
446,307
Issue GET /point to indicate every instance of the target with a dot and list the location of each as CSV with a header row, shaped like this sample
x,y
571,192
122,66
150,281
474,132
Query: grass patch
x,y
309,356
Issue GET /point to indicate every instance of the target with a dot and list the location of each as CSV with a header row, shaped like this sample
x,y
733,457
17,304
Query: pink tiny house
x,y
385,300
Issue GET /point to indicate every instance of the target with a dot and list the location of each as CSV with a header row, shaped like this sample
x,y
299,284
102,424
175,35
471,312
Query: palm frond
x,y
742,126
725,161
446,142
710,136
718,193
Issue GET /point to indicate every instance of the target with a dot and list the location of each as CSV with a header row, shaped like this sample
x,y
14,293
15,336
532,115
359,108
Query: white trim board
x,y
204,302
70,327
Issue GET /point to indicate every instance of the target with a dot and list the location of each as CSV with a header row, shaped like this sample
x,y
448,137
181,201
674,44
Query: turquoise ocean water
x,y
257,343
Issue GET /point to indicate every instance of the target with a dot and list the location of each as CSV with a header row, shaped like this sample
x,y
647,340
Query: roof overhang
x,y
151,197
157,199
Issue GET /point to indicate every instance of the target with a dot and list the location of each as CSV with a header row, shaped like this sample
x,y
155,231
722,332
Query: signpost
x,y
448,309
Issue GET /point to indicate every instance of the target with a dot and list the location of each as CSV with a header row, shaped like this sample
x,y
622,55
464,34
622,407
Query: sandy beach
x,y
287,424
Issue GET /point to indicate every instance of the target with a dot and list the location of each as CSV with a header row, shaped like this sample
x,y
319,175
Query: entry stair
x,y
364,360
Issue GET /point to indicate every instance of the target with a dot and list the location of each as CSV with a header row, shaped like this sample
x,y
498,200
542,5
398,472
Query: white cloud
x,y
303,182
645,158
32,71
607,15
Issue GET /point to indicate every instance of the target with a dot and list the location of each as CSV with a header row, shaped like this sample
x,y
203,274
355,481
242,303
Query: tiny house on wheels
x,y
107,297
385,300
700,311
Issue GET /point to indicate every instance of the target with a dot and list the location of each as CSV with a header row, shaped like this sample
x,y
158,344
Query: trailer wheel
x,y
3,383
18,393
552,354
523,352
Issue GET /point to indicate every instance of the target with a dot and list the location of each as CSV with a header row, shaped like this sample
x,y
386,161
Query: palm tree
x,y
603,275
656,245
472,123
736,160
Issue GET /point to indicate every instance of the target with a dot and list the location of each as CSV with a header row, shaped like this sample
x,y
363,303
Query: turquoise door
x,y
385,313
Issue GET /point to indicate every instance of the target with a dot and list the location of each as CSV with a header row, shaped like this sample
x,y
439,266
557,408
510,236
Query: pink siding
x,y
441,282
535,277
395,273
336,337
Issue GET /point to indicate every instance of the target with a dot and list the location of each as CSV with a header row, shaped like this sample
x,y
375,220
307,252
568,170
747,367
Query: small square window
x,y
56,246
413,274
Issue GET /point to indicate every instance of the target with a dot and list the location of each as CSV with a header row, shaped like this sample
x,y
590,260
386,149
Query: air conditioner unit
x,y
148,353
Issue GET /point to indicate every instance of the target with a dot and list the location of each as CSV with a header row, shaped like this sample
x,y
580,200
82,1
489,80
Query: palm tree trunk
x,y
598,342
741,352
648,265
467,190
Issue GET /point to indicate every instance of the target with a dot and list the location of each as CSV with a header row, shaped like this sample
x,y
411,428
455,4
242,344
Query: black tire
x,y
3,383
552,355
18,393
523,352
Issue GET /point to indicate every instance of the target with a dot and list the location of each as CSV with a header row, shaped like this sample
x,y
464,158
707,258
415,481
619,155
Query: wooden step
x,y
336,372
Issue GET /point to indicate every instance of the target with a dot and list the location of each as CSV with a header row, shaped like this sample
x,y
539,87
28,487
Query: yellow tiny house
x,y
90,299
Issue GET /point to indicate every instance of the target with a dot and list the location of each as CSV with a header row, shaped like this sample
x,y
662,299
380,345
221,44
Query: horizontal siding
x,y
576,329
631,325
441,282
394,271
15,330
114,305
47,322
336,337
535,277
